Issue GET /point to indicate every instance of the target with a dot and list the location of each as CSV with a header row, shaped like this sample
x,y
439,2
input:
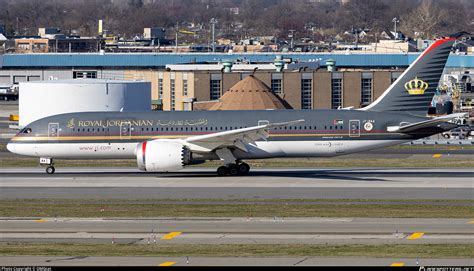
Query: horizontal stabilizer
x,y
435,122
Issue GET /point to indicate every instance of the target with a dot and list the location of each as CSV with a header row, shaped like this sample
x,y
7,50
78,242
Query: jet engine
x,y
162,156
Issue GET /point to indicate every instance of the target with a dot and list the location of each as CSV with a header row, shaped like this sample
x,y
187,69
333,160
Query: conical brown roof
x,y
250,94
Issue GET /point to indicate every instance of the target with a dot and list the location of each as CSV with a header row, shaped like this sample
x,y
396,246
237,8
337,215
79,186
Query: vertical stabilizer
x,y
413,91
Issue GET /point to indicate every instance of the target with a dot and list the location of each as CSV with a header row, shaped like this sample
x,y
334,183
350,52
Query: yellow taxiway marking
x,y
471,222
39,220
171,235
167,263
397,264
415,235
437,155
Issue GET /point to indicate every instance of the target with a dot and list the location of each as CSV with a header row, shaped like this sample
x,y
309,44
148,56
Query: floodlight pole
x,y
176,38
213,25
395,21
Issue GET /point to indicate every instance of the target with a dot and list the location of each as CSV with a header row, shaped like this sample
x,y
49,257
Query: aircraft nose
x,y
11,147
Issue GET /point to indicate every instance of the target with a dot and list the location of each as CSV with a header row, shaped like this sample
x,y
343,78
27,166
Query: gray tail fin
x,y
413,91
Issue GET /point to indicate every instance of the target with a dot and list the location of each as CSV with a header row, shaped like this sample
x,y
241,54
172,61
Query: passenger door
x,y
53,131
125,130
354,128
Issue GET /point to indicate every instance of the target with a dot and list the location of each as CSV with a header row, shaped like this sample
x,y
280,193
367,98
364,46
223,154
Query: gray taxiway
x,y
228,261
240,230
202,183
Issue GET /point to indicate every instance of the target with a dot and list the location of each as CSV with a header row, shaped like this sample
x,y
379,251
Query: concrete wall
x,y
322,90
229,80
292,88
199,83
351,93
381,81
202,86
265,77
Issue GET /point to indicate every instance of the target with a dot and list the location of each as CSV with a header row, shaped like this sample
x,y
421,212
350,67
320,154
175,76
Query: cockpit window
x,y
25,131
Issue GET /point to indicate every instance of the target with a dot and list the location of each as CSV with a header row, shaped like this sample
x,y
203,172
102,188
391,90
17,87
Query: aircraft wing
x,y
236,138
435,122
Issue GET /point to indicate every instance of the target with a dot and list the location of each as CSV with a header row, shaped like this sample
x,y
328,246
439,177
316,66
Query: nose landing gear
x,y
48,162
50,170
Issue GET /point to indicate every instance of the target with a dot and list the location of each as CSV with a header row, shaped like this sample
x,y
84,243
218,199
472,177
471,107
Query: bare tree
x,y
424,21
259,17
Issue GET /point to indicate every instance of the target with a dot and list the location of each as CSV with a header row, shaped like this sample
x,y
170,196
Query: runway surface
x,y
241,230
227,261
202,183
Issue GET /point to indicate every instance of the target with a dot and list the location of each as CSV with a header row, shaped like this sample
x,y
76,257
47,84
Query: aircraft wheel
x,y
244,168
50,170
222,171
233,170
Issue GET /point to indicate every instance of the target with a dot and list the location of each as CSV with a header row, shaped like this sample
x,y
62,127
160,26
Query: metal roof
x,y
160,60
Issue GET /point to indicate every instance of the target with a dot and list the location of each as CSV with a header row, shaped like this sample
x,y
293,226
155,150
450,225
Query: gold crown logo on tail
x,y
416,86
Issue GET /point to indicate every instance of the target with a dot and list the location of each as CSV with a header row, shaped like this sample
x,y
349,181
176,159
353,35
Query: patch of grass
x,y
140,208
166,250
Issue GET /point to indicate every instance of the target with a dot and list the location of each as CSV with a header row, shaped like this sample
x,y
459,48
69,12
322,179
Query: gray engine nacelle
x,y
162,156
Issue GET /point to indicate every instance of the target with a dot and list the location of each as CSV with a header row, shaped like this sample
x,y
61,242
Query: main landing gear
x,y
48,162
234,169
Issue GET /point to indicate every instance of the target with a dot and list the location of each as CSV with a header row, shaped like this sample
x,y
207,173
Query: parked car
x,y
460,132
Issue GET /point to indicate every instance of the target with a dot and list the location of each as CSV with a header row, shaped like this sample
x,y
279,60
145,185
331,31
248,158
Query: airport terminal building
x,y
316,81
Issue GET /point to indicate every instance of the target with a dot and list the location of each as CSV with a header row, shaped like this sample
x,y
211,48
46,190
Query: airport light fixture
x,y
395,21
213,23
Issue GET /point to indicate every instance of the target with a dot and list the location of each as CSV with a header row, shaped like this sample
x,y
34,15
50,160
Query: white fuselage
x,y
259,150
